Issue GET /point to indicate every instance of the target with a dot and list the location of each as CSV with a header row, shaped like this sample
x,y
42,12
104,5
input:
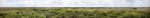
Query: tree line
x,y
73,13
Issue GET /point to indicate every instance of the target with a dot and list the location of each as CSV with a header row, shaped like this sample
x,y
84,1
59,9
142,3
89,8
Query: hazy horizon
x,y
74,3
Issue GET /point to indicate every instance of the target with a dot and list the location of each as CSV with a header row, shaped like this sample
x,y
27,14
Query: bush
x,y
75,13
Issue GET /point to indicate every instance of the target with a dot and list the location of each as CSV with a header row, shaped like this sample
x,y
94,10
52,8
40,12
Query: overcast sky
x,y
74,3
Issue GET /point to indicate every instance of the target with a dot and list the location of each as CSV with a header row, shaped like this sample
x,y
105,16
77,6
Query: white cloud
x,y
74,3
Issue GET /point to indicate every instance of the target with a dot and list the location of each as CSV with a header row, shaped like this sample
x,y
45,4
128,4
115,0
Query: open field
x,y
75,12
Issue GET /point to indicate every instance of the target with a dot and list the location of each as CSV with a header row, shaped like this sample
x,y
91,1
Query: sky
x,y
74,3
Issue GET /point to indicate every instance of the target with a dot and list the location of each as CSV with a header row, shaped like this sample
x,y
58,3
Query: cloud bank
x,y
74,3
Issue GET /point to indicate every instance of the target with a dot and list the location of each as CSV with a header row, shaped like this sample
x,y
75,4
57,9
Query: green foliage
x,y
74,13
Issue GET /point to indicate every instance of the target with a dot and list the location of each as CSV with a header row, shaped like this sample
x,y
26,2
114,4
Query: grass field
x,y
75,12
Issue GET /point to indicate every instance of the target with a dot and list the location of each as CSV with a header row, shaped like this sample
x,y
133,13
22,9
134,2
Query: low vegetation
x,y
73,13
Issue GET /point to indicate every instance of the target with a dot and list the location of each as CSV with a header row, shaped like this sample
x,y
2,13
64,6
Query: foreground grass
x,y
73,13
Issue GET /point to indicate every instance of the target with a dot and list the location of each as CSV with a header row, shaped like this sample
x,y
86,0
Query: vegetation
x,y
73,13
